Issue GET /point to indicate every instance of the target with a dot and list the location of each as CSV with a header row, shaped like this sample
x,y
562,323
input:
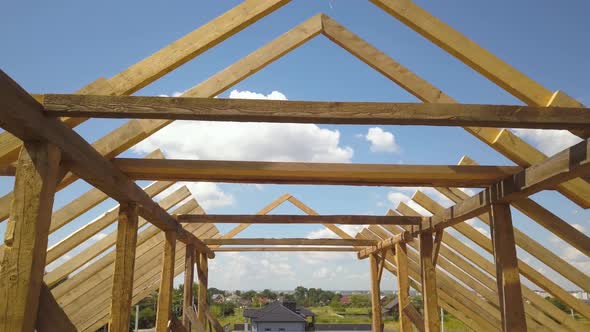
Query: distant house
x,y
345,300
217,298
391,307
279,316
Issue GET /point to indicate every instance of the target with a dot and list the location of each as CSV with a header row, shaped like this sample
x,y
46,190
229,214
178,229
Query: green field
x,y
326,314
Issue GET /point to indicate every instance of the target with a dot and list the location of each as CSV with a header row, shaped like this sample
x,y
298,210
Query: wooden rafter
x,y
313,173
536,249
22,116
449,298
536,212
285,249
296,219
566,165
489,267
289,241
247,110
475,56
165,60
385,244
503,141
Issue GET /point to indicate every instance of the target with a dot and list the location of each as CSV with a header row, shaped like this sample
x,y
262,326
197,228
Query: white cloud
x,y
209,195
579,227
402,194
547,140
275,95
248,141
381,140
325,233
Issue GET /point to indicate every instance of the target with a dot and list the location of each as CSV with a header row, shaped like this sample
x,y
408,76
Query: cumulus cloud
x,y
381,140
402,195
244,141
324,233
548,141
248,141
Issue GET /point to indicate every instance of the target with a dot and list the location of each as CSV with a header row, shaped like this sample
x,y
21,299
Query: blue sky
x,y
62,46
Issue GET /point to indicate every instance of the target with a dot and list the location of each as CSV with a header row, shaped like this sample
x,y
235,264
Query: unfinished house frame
x,y
155,241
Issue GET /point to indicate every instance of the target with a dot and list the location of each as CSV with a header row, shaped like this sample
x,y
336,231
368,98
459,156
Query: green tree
x,y
360,300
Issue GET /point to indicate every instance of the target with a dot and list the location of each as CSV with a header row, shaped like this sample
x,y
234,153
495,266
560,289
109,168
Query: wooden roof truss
x,y
143,254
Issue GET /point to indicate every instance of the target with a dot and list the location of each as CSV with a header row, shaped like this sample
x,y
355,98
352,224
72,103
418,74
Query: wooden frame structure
x,y
86,292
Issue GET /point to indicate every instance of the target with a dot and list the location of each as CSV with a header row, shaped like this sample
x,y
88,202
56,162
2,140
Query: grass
x,y
326,314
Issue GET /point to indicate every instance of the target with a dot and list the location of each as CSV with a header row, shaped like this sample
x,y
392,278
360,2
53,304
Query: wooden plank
x,y
530,273
503,141
285,111
146,239
213,322
85,232
289,241
11,145
166,284
257,60
285,249
306,209
403,286
410,312
566,165
376,320
50,316
146,284
507,274
135,131
537,213
56,275
473,278
189,273
177,53
414,276
267,209
25,238
429,295
313,173
297,219
528,244
203,276
470,304
124,267
194,43
22,115
385,244
90,298
466,50
476,57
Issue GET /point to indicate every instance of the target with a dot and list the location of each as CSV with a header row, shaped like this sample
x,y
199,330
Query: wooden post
x,y
189,273
375,292
403,286
25,239
431,314
202,270
165,293
507,273
124,267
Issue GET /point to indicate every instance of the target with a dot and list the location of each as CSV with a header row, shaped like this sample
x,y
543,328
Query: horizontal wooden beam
x,y
285,249
290,241
247,110
313,173
566,165
23,116
385,244
298,219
